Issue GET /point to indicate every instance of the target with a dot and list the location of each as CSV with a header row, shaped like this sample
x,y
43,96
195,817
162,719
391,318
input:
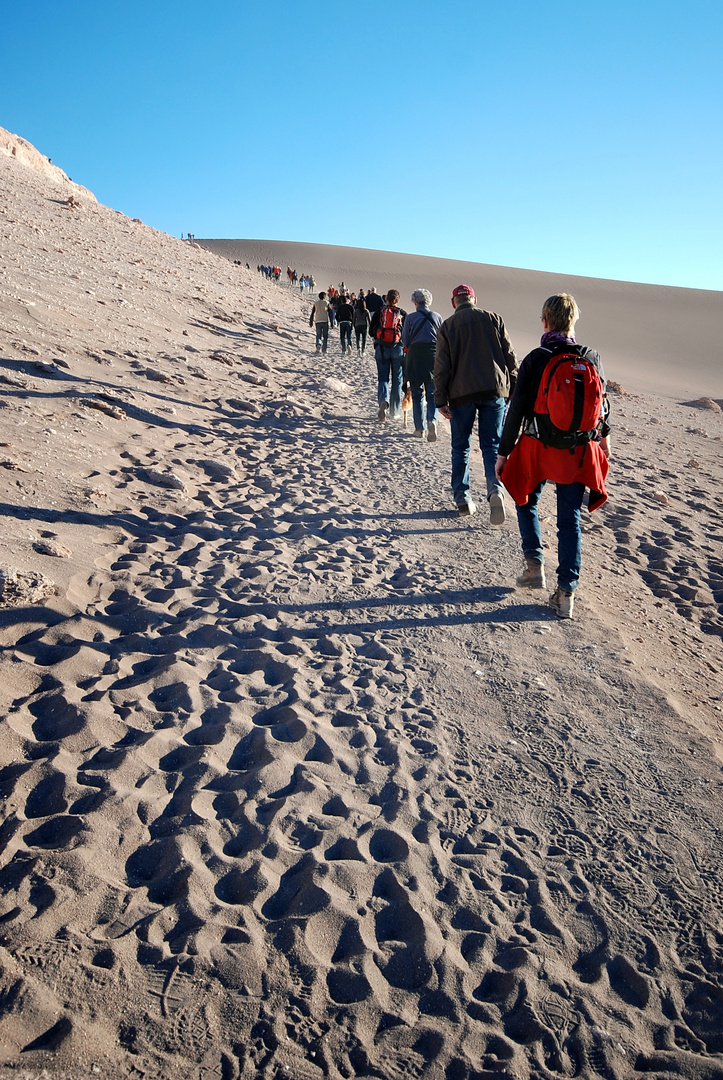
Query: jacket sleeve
x,y
509,355
407,326
442,368
520,407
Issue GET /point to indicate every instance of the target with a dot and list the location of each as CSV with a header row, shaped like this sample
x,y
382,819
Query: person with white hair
x,y
419,338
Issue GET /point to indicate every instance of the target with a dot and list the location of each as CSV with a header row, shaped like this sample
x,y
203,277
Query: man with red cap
x,y
474,375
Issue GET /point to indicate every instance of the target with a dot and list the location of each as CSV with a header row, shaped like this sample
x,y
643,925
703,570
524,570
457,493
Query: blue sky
x,y
582,137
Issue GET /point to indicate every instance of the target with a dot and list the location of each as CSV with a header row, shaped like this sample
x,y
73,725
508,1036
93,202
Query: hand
x,y
445,411
499,466
605,446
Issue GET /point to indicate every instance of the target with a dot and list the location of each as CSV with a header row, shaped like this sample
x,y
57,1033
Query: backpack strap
x,y
428,316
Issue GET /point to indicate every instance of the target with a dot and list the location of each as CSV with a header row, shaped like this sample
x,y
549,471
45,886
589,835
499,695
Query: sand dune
x,y
652,337
295,784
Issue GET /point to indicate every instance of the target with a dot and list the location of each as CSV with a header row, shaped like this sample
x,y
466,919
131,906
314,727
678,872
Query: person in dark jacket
x,y
419,339
361,325
345,318
474,373
374,301
525,465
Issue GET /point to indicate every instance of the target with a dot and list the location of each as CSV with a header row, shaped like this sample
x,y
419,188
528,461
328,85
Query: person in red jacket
x,y
525,465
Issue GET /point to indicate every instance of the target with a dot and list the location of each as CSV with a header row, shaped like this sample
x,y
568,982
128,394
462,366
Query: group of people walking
x,y
543,420
347,311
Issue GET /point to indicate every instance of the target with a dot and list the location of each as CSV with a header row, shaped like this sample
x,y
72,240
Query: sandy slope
x,y
295,784
651,336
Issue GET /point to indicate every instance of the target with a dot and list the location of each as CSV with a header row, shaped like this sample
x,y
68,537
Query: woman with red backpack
x,y
559,403
386,329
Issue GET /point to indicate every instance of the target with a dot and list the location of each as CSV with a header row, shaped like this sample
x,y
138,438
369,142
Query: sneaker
x,y
466,509
383,410
432,433
562,602
533,576
418,433
497,508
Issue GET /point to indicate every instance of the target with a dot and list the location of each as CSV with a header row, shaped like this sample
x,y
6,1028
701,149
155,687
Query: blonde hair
x,y
560,311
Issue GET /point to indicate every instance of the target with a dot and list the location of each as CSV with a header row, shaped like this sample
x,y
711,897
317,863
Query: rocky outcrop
x,y
24,152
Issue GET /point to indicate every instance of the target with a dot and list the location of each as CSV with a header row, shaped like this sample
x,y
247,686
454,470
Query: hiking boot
x,y
466,509
533,576
418,434
383,410
432,433
497,508
562,602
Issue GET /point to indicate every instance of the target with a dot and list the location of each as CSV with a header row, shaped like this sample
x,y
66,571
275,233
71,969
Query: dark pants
x,y
361,336
345,334
418,369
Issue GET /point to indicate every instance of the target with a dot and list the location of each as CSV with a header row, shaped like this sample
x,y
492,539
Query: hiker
x,y
474,373
361,325
419,338
319,319
386,330
374,301
565,439
345,317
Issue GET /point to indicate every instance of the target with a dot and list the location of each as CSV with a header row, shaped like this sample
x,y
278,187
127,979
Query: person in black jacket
x,y
345,318
525,466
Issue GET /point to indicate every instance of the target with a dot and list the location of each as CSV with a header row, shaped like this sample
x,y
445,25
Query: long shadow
x,y
149,523
241,335
484,594
527,613
135,412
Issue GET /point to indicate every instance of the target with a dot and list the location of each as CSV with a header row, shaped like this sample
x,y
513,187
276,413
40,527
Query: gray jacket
x,y
475,360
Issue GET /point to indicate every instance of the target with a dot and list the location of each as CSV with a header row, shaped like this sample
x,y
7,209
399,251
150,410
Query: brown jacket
x,y
475,360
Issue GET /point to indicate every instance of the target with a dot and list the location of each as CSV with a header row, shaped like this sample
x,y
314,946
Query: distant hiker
x,y
361,324
374,302
345,318
474,373
319,319
560,399
419,338
386,329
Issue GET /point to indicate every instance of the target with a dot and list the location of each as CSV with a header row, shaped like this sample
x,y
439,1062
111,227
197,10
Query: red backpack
x,y
569,402
389,331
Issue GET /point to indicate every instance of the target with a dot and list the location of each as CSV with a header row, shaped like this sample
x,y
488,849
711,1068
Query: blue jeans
x,y
345,329
322,335
569,536
390,363
490,415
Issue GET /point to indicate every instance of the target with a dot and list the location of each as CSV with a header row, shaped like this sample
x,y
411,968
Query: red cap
x,y
463,290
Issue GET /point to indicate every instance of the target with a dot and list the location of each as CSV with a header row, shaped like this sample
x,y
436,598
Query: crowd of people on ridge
x,y
545,419
273,273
